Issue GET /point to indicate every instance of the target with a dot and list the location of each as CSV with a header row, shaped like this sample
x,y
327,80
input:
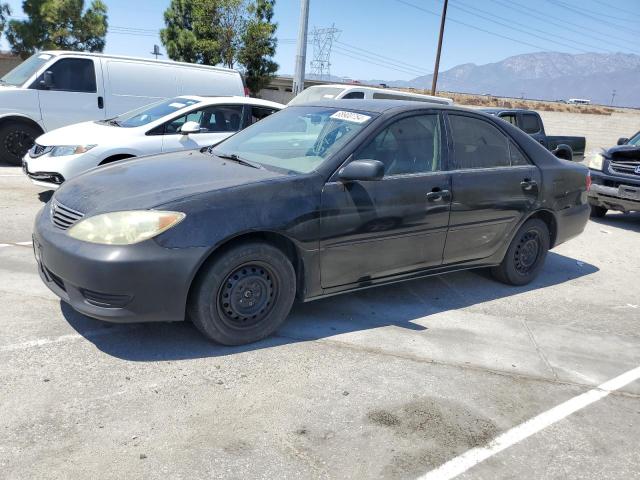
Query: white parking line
x,y
11,175
471,458
65,338
16,244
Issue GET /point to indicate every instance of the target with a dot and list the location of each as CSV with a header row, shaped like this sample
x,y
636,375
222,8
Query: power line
x,y
399,62
529,27
581,11
628,12
355,57
604,37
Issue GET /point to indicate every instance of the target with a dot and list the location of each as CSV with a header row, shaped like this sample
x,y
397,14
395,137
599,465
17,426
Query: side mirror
x,y
564,152
622,141
190,127
364,170
47,80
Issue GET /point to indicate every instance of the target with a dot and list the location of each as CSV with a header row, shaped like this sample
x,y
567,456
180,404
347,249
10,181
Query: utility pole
x,y
437,66
613,95
156,51
301,55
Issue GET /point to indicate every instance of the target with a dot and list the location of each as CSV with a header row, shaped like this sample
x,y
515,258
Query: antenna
x,y
323,39
156,51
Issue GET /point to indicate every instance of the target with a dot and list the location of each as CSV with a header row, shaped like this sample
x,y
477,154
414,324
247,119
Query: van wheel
x,y
16,138
526,254
244,295
598,212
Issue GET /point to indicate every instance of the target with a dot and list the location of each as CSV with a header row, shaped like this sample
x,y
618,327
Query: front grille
x,y
626,167
54,278
64,217
38,150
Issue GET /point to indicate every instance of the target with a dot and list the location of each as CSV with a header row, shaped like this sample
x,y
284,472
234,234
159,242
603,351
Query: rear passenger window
x,y
478,144
517,157
258,113
530,123
73,75
352,95
410,145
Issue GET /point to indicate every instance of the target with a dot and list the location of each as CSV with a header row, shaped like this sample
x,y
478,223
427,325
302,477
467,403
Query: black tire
x,y
16,138
598,211
526,254
243,295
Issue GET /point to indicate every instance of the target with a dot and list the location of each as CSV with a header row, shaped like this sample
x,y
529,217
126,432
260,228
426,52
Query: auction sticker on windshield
x,y
350,117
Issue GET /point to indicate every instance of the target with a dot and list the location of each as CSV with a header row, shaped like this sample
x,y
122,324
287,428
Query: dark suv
x,y
615,174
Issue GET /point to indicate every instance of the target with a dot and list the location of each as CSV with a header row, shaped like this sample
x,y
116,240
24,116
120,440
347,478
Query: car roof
x,y
217,100
381,106
494,110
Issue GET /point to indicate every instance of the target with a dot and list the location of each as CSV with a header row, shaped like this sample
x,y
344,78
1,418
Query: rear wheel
x,y
16,138
526,254
244,295
598,211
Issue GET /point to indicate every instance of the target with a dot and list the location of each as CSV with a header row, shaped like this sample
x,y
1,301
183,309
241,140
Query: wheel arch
x,y
549,218
117,156
17,117
285,244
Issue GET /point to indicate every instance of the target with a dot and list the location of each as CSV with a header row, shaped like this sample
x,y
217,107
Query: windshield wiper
x,y
113,122
239,160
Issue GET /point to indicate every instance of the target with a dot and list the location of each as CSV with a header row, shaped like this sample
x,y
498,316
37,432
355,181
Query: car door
x,y
379,228
217,122
494,186
75,93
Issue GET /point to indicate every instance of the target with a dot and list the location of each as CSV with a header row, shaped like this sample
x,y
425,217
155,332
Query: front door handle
x,y
100,102
527,184
437,194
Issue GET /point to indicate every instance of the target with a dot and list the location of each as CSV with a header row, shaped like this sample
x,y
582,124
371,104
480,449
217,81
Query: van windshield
x,y
296,139
314,94
25,70
150,113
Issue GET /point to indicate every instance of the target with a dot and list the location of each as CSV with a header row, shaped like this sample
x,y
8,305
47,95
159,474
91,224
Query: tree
x,y
5,12
59,24
204,31
259,46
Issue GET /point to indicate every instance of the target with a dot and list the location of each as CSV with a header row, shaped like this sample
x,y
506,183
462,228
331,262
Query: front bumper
x,y
135,283
50,172
614,192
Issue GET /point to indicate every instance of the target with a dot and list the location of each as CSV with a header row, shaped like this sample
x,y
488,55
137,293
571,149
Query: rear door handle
x,y
528,184
437,194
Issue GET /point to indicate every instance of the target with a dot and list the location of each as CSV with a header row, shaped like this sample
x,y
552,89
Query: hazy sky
x,y
392,39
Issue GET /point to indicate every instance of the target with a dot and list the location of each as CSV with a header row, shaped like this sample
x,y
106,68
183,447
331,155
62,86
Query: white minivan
x,y
349,92
52,89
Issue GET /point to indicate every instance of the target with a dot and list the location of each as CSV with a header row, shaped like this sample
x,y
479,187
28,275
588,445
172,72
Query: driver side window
x,y
408,146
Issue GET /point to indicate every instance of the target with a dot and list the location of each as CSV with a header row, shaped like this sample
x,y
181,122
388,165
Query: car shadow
x,y
45,196
628,221
396,305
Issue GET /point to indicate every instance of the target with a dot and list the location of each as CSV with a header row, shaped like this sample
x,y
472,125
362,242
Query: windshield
x,y
25,70
296,139
313,94
149,113
635,140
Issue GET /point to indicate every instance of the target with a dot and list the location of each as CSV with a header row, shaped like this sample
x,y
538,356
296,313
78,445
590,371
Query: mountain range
x,y
544,76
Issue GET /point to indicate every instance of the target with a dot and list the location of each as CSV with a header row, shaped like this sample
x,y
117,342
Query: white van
x,y
579,101
52,89
337,91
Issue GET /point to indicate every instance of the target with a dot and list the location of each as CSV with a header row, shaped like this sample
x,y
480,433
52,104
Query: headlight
x,y
595,161
125,228
64,150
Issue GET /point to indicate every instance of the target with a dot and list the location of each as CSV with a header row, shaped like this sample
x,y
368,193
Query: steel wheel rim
x,y
18,142
527,252
247,296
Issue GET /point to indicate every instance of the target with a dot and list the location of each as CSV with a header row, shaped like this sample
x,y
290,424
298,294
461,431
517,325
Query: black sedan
x,y
312,201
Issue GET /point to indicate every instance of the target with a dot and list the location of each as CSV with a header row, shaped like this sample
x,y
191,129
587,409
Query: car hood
x,y
624,151
86,133
148,182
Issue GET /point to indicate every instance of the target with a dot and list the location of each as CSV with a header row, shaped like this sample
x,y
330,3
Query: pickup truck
x,y
530,122
615,177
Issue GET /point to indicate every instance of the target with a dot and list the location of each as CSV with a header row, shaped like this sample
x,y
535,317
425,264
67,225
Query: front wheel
x,y
15,141
526,254
244,295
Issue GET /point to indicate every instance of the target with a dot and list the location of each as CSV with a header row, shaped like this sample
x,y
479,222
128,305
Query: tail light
x,y
247,93
588,181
